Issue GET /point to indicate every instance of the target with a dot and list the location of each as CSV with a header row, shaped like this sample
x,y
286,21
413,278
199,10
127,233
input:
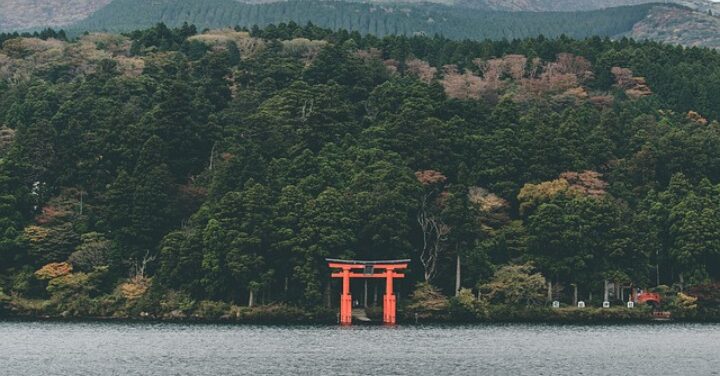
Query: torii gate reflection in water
x,y
367,270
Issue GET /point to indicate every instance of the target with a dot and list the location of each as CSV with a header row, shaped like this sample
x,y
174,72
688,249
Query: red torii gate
x,y
368,268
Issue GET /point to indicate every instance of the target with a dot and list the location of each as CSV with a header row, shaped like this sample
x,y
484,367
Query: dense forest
x,y
167,170
375,18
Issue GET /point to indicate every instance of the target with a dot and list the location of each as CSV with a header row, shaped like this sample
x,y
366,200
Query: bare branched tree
x,y
434,230
434,233
138,268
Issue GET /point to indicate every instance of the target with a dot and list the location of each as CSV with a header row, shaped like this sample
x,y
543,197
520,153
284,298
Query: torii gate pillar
x,y
368,271
389,299
346,299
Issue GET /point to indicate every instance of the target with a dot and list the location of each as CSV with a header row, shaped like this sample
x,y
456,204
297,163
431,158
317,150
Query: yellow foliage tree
x,y
135,288
570,184
54,270
532,194
686,302
35,233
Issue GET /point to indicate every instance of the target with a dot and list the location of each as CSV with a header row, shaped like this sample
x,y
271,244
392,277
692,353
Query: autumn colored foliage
x,y
54,270
430,177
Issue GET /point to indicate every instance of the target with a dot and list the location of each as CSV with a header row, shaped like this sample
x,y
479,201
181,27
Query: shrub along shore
x,y
463,309
289,315
516,293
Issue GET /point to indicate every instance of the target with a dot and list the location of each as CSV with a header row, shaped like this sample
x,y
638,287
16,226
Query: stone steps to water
x,y
360,314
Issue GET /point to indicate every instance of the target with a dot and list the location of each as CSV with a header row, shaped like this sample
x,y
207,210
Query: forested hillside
x,y
170,173
377,19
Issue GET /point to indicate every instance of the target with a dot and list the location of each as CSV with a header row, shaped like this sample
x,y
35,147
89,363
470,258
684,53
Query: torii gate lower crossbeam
x,y
348,269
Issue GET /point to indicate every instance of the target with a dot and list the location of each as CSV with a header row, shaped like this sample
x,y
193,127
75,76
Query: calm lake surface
x,y
45,348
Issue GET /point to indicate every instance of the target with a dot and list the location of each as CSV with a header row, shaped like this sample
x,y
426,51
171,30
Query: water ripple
x,y
44,348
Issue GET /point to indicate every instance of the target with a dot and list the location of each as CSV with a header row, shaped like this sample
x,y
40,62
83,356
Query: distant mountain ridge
x,y
692,24
373,18
29,14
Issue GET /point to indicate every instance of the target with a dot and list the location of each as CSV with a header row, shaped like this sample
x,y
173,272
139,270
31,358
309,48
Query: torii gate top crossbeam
x,y
361,263
388,265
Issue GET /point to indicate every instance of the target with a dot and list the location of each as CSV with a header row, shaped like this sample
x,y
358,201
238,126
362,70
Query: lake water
x,y
46,348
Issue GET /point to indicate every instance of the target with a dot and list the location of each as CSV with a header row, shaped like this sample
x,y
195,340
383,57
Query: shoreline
x,y
302,321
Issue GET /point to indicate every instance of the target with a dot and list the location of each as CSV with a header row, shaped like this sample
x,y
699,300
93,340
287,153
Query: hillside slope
x,y
694,23
549,5
28,14
679,26
537,5
378,19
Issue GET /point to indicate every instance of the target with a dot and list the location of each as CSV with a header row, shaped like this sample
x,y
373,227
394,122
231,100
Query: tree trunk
x,y
251,299
457,276
575,292
375,295
328,295
212,156
365,295
286,286
682,282
657,268
606,297
672,274
549,292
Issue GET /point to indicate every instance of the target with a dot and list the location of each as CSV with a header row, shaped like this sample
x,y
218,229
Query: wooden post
x,y
457,276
